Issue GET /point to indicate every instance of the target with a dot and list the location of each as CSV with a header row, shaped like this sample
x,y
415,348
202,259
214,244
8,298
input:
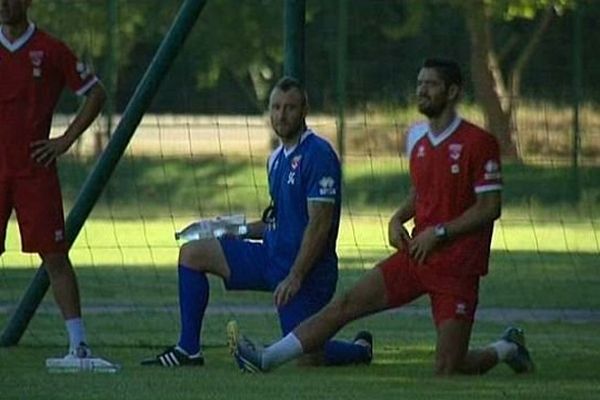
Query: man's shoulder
x,y
318,145
43,36
477,138
47,41
475,131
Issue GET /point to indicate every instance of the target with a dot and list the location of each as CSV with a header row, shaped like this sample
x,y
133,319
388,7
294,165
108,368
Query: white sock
x,y
505,350
76,332
281,351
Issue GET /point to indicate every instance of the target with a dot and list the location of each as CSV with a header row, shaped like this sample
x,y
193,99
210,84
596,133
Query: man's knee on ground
x,y
448,364
445,368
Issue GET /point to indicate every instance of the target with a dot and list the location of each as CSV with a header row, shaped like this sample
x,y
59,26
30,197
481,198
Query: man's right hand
x,y
398,236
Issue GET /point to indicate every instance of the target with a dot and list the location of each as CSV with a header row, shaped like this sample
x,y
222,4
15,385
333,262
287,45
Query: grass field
x,y
545,258
566,358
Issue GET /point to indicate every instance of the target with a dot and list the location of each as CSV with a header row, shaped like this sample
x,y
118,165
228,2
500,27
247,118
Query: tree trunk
x,y
490,91
523,59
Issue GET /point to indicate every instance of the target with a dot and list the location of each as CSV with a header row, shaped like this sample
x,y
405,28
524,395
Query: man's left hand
x,y
423,244
46,151
286,289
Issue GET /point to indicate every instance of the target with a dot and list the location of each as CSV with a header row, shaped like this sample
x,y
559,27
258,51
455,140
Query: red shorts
x,y
452,297
38,205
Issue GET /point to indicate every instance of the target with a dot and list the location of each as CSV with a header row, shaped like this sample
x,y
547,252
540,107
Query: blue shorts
x,y
251,269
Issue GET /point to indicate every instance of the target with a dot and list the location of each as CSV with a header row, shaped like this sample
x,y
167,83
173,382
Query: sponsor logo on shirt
x,y
327,185
492,170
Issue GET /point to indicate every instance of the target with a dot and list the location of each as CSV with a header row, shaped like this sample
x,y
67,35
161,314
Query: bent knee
x,y
188,253
203,255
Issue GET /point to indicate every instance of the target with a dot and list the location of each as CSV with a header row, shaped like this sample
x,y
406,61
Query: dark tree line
x,y
512,49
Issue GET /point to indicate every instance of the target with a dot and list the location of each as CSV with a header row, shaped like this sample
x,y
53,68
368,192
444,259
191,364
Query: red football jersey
x,y
447,172
34,69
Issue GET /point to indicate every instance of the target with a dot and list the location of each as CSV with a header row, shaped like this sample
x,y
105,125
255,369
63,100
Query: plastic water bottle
x,y
71,365
196,230
234,225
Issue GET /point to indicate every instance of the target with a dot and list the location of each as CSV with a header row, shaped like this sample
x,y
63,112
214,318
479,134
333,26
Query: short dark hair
x,y
449,70
287,83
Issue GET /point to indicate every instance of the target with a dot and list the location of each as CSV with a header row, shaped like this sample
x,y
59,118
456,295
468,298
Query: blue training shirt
x,y
309,172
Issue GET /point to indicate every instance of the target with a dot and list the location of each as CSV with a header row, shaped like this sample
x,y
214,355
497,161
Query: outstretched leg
x,y
366,297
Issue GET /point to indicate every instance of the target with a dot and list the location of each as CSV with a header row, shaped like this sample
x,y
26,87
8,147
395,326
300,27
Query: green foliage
x,y
235,52
526,9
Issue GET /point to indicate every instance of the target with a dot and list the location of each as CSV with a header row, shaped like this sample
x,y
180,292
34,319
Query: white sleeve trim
x,y
488,188
322,199
84,89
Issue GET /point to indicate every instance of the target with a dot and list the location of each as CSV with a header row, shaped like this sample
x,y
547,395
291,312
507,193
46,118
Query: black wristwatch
x,y
440,232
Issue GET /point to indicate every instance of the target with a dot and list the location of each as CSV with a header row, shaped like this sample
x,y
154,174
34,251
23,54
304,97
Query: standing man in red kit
x,y
34,69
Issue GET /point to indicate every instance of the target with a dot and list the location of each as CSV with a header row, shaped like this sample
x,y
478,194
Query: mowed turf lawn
x,y
566,358
545,256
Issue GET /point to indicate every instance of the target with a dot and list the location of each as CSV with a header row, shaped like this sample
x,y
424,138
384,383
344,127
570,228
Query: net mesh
x,y
200,151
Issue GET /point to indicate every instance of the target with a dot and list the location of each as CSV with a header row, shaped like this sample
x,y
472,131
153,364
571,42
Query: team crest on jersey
x,y
421,151
36,57
327,184
492,170
455,150
296,162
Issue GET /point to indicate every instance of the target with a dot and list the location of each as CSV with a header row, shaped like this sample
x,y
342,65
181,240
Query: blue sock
x,y
338,352
193,298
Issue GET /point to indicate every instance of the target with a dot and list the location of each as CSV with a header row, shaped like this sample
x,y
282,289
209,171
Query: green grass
x,y
566,369
545,256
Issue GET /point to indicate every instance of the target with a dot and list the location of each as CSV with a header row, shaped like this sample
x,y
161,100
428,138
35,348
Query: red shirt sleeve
x,y
486,165
78,76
